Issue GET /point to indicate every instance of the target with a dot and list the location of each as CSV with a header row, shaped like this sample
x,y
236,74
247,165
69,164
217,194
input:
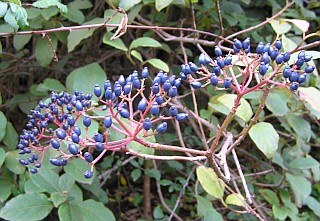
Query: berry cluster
x,y
63,122
267,59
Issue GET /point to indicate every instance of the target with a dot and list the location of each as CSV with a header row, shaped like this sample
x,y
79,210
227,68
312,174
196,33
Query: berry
x,y
145,72
220,62
30,160
260,48
216,70
302,78
88,174
161,128
73,149
99,146
227,83
246,43
124,113
88,157
70,120
183,76
193,66
173,111
136,83
142,105
265,58
108,94
286,56
181,116
34,156
173,91
79,106
217,51
294,86
278,44
177,82
37,165
307,58
33,170
237,43
98,137
299,62
301,55
107,122
263,68
235,49
166,86
159,99
286,72
147,124
63,161
266,48
77,130
23,162
204,59
279,59
75,137
309,69
154,110
127,89
86,121
187,69
107,85
118,90
155,88
274,54
55,162
294,76
214,80
228,60
196,84
61,133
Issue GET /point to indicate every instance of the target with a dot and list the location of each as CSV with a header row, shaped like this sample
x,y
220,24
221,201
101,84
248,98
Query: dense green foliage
x,y
52,45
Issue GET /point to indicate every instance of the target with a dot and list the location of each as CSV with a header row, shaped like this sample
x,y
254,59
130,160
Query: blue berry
x,y
161,128
166,86
107,85
309,69
301,55
33,170
154,110
307,58
286,72
118,90
127,88
23,162
279,59
246,43
155,88
159,99
145,72
147,124
294,76
98,137
88,174
260,48
173,91
286,56
70,120
299,62
214,80
107,122
302,78
63,161
216,70
294,86
263,68
237,43
79,106
55,162
220,62
136,83
173,111
88,157
228,60
183,76
142,105
265,58
37,165
278,44
75,137
266,48
34,156
227,83
204,59
77,130
124,113
273,54
177,82
193,66
73,149
108,94
187,69
181,116
217,51
196,84
61,133
30,160
99,146
86,121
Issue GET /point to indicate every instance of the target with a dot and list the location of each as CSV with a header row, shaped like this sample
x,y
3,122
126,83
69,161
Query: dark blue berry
x,y
279,59
246,43
63,161
166,85
118,90
294,76
33,170
265,58
88,174
263,68
124,113
77,130
237,43
181,116
227,83
286,72
55,162
108,94
307,58
216,70
79,106
193,66
107,122
154,110
294,86
99,146
278,44
301,55
136,83
34,156
196,84
88,157
273,54
23,162
147,124
260,48
69,107
107,85
299,62
220,62
309,69
70,120
61,133
127,88
142,105
173,111
302,78
177,82
121,80
266,48
86,121
173,91
37,165
187,69
161,128
214,80
98,137
73,149
75,137
30,160
204,59
183,76
145,72
286,56
155,88
159,99
228,60
217,51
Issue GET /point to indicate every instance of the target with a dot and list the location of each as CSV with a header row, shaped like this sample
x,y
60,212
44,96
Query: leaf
x,y
280,26
161,4
311,97
137,55
29,206
277,102
12,162
50,84
5,187
3,8
31,187
46,179
84,78
212,214
2,156
157,63
11,137
76,168
66,183
83,211
270,196
58,198
141,148
3,125
303,163
116,43
144,42
210,182
19,41
236,199
265,137
80,4
96,190
313,204
75,15
288,44
300,126
203,204
279,213
303,25
136,174
47,3
158,213
224,103
126,5
154,173
44,52
11,19
47,13
112,17
301,187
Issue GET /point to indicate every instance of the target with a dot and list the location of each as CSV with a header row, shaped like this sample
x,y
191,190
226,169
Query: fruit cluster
x,y
267,59
63,121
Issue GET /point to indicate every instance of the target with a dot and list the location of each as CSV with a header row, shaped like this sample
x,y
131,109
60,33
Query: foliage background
x,y
32,65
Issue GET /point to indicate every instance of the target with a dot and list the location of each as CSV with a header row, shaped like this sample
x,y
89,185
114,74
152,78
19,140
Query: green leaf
x,y
5,187
84,78
161,4
31,187
46,179
158,213
58,198
126,5
236,199
270,196
303,163
12,162
303,25
47,3
50,84
288,44
157,63
30,206
212,214
96,190
75,15
210,182
301,187
11,19
3,8
83,211
76,36
277,102
300,126
3,125
137,55
2,156
280,26
224,103
116,43
280,213
80,4
136,174
311,97
66,183
144,42
154,173
113,18
203,204
76,168
141,148
19,41
11,137
47,13
314,205
44,52
265,137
